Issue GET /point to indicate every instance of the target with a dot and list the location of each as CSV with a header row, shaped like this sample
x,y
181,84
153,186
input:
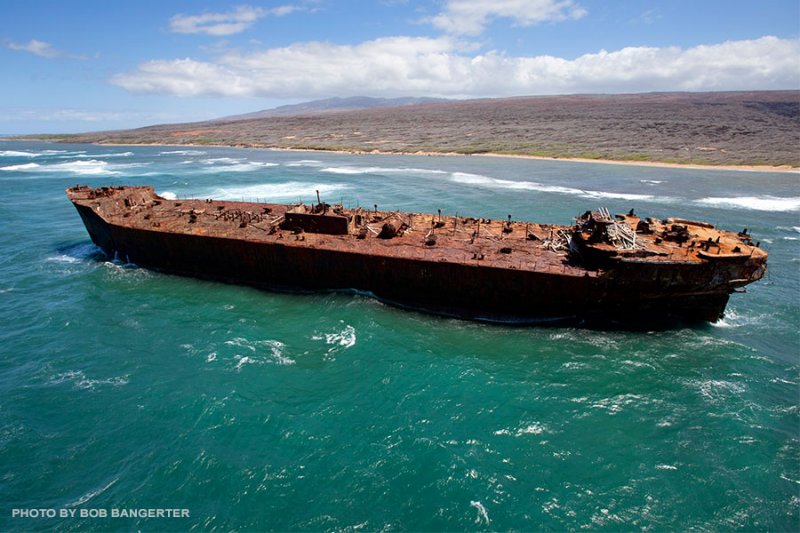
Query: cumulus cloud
x,y
469,17
39,48
228,23
401,66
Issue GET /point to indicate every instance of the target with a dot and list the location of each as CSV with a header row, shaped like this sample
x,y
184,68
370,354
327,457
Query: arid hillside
x,y
735,128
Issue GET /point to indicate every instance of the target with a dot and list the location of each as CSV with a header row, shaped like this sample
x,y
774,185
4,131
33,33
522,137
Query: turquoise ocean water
x,y
123,389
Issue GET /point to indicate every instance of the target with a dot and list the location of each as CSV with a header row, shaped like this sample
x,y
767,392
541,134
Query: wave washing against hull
x,y
757,203
77,253
290,190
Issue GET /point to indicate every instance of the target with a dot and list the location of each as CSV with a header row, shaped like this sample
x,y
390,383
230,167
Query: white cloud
x,y
39,48
219,24
398,66
469,17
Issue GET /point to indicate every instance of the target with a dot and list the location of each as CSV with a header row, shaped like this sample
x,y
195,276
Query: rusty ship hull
x,y
472,268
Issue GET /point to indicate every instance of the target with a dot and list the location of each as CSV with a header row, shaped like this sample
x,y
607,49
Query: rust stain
x,y
615,265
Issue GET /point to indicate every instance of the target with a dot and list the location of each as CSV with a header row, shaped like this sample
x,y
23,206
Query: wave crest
x,y
757,203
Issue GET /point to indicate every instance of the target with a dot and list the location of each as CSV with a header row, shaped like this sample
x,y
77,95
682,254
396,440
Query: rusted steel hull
x,y
650,295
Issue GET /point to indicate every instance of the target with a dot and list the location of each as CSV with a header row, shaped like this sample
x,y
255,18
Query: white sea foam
x,y
716,390
80,381
19,153
651,182
666,467
23,166
93,167
757,203
248,167
305,163
15,153
168,195
229,164
796,229
91,494
243,361
338,340
345,338
257,348
483,515
617,403
182,152
89,167
75,254
379,170
486,181
63,258
83,154
534,428
733,319
225,160
290,190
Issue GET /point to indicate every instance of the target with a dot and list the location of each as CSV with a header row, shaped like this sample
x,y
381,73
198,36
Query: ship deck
x,y
503,244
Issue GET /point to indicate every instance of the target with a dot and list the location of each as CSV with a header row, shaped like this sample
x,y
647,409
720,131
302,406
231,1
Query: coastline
x,y
657,164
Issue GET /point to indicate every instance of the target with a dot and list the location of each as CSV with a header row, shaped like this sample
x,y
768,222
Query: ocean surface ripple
x,y
127,389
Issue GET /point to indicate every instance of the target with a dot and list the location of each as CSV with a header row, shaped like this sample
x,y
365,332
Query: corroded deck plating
x,y
617,264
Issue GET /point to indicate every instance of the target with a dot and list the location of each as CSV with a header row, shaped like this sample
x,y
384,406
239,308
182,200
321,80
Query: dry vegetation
x,y
737,128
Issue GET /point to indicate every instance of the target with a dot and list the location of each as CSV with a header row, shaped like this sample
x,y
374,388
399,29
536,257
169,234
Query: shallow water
x,y
122,388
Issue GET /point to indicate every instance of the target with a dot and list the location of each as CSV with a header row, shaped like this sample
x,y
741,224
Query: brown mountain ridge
x,y
722,128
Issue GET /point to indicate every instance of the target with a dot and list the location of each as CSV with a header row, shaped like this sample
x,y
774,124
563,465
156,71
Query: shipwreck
x,y
603,269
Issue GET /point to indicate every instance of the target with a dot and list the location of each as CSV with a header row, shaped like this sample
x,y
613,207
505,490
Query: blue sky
x,y
88,65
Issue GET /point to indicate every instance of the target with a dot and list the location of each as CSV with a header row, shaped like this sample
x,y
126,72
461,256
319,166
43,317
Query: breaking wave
x,y
19,153
379,170
758,203
83,154
168,195
796,229
89,167
290,190
228,164
182,152
486,181
305,163
15,153
24,166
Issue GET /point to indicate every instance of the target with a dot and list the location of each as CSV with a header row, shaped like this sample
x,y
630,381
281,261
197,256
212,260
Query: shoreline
x,y
653,164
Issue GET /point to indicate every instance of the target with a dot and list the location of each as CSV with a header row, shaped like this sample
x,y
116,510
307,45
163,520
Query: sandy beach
x,y
742,168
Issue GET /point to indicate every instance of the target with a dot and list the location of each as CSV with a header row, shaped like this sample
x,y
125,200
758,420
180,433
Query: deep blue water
x,y
125,389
